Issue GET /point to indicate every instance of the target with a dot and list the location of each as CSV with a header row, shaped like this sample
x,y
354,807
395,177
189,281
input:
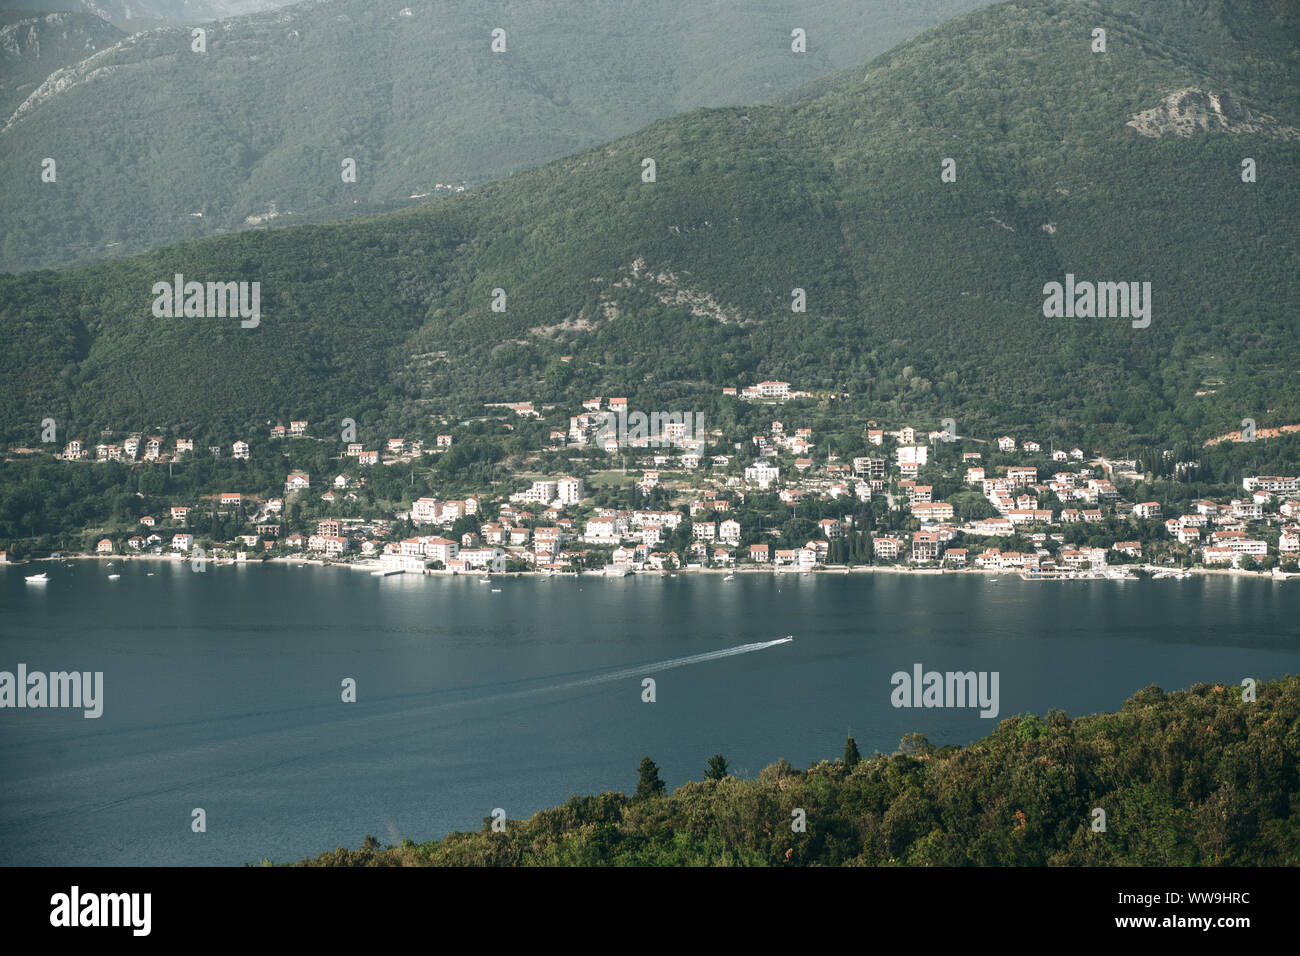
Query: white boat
x,y
37,578
729,577
496,590
149,574
114,577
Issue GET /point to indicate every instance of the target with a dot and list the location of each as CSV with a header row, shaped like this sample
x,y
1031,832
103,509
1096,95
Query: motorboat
x,y
114,577
37,578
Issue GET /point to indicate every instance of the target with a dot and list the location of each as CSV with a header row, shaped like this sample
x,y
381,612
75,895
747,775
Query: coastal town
x,y
663,493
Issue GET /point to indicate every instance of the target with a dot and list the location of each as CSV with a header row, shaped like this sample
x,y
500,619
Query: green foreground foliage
x,y
1189,778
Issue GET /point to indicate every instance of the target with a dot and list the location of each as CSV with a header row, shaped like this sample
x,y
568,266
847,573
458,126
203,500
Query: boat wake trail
x,y
624,673
629,672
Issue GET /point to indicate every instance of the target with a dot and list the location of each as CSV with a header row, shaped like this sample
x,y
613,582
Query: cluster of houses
x,y
1216,533
549,525
154,448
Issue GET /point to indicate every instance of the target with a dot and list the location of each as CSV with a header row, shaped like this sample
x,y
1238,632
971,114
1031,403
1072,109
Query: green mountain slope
x,y
924,297
32,46
157,143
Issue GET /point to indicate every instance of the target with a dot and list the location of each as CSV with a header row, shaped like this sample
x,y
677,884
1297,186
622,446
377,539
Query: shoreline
x,y
600,573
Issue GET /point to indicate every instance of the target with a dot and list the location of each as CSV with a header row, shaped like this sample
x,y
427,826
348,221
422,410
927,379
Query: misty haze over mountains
x,y
161,143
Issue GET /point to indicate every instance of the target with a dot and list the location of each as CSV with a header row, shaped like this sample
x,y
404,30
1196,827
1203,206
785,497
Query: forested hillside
x,y
924,297
1190,778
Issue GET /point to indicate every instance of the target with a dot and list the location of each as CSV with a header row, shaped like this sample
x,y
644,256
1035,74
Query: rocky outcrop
x,y
1189,111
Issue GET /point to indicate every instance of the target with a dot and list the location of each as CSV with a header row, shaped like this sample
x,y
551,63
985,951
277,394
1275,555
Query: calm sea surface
x,y
222,690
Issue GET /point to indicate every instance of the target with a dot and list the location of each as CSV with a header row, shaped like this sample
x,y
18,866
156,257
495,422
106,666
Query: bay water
x,y
224,690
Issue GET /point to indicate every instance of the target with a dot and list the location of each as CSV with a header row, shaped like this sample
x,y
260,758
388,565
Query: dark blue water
x,y
222,690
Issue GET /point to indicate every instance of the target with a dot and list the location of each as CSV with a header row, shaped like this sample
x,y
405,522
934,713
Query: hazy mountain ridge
x,y
32,46
160,143
121,12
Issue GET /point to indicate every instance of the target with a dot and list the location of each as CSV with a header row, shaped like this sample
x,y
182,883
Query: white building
x,y
762,474
913,454
1271,484
774,389
543,492
441,549
569,490
425,511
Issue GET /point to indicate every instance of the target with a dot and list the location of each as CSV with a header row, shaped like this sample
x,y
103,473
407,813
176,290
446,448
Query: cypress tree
x,y
648,784
851,755
717,768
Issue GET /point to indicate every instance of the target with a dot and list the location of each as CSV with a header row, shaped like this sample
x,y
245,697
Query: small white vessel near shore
x,y
114,577
41,578
729,577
